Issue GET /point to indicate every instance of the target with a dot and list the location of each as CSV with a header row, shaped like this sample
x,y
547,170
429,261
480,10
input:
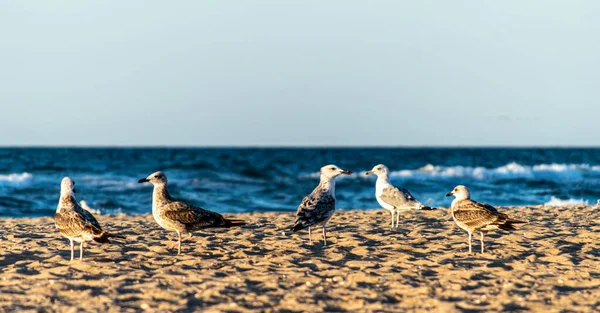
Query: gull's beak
x,y
143,180
368,172
347,172
451,193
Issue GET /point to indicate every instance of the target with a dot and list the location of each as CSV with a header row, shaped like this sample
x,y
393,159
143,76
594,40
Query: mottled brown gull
x,y
318,207
181,217
75,223
474,216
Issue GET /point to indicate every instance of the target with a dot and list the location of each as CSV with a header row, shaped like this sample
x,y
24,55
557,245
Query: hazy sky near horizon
x,y
300,73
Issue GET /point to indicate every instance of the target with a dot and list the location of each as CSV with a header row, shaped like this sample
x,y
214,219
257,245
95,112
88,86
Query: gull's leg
x,y
398,219
72,249
81,251
178,243
470,243
190,235
392,218
481,241
309,236
174,244
324,236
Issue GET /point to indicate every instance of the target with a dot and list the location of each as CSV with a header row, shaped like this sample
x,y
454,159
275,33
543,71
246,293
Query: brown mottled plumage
x,y
318,207
75,223
474,216
179,216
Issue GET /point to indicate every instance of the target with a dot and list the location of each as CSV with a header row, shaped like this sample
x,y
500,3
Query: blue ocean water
x,y
276,179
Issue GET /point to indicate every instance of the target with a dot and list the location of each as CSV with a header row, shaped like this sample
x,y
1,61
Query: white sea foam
x,y
554,201
513,170
554,172
15,177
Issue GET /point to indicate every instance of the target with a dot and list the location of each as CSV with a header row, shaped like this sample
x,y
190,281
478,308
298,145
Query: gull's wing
x,y
88,217
314,209
476,215
73,225
399,198
192,217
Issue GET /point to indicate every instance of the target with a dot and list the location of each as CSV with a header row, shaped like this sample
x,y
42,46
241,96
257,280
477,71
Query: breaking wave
x,y
14,178
547,172
554,201
553,172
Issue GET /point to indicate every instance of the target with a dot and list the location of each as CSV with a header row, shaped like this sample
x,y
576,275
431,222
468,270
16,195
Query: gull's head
x,y
460,192
156,178
378,170
67,186
332,171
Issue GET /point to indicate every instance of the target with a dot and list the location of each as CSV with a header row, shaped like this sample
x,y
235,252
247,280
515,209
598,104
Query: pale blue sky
x,y
300,72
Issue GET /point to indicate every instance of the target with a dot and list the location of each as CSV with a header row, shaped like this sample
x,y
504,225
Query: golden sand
x,y
549,265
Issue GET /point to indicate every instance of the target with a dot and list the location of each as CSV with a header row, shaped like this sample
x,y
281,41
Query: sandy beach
x,y
551,264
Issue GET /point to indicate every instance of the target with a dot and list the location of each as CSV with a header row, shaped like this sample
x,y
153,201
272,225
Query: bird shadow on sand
x,y
24,255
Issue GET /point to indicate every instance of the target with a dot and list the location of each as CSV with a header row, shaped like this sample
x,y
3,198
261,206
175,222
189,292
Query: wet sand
x,y
551,264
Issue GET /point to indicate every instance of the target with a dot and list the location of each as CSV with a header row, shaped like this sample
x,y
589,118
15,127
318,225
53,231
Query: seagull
x,y
75,223
181,217
318,207
86,207
394,199
474,216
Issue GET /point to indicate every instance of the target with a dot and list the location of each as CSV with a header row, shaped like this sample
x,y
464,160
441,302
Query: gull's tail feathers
x,y
299,225
231,222
508,223
103,238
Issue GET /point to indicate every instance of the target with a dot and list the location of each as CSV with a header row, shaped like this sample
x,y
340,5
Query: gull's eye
x,y
332,168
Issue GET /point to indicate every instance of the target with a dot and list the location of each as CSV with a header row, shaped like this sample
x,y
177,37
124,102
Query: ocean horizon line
x,y
296,147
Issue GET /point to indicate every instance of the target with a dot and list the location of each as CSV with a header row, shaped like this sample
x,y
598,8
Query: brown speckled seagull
x,y
474,216
74,222
318,207
181,217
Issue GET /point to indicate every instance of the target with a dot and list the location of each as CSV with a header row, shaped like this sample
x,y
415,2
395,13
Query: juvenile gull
x,y
318,207
394,199
474,216
181,217
74,222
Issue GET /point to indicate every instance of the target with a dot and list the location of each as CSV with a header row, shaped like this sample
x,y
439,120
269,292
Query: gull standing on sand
x,y
394,199
318,207
181,217
86,207
74,222
474,216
